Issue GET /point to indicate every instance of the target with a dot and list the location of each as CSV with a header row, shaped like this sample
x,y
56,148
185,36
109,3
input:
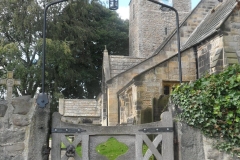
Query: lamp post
x,y
178,36
42,99
113,4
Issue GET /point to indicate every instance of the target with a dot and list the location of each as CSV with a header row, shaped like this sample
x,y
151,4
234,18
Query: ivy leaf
x,y
230,114
216,109
212,103
229,122
238,78
237,119
238,111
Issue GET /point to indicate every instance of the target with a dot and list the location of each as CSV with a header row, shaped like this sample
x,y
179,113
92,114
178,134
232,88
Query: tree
x,y
19,28
76,35
87,28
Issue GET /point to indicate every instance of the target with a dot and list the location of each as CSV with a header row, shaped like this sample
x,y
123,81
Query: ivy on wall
x,y
212,104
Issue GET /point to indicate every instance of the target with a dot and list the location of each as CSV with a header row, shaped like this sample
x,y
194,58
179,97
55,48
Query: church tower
x,y
149,25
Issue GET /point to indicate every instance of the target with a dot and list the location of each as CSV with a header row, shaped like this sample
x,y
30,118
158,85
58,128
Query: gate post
x,y
85,147
138,147
56,139
167,141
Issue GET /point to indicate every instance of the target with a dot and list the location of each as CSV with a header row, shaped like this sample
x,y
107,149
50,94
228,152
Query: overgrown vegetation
x,y
212,104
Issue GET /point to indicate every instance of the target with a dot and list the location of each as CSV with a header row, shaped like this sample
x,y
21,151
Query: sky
x,y
124,12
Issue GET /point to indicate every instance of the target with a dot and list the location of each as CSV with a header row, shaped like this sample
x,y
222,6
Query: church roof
x,y
119,64
211,23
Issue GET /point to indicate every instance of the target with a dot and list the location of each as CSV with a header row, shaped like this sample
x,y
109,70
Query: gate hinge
x,y
67,130
152,130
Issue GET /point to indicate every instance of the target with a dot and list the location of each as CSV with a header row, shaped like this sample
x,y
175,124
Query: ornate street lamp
x,y
113,4
165,7
42,99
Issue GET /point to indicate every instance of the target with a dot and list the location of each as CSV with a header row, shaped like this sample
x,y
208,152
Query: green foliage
x,y
88,27
112,148
212,104
20,28
79,150
144,150
76,35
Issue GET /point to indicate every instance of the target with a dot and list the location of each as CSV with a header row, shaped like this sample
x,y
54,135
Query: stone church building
x,y
135,88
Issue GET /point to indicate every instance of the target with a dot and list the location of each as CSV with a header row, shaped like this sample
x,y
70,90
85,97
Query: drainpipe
x,y
178,36
196,59
106,104
118,110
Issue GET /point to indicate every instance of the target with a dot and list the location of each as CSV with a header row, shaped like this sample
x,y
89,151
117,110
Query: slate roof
x,y
119,64
211,23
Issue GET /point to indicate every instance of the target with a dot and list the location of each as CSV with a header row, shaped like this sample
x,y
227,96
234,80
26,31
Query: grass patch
x,y
79,150
112,148
144,150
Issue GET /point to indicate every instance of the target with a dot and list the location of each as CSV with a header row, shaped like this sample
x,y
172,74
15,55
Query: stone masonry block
x,y
173,64
15,147
153,88
22,105
61,106
3,109
20,120
12,136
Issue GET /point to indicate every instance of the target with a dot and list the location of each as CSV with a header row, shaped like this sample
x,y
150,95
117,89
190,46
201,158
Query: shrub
x,y
212,104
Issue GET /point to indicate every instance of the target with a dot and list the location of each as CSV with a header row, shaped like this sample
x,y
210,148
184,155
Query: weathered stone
x,y
39,135
20,120
22,105
9,136
18,157
1,149
15,147
6,157
9,82
79,108
3,109
238,53
190,143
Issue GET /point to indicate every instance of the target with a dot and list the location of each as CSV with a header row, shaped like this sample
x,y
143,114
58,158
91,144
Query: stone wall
x,y
23,130
151,83
138,97
149,26
164,51
80,110
119,64
231,37
208,53
191,144
222,49
79,107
